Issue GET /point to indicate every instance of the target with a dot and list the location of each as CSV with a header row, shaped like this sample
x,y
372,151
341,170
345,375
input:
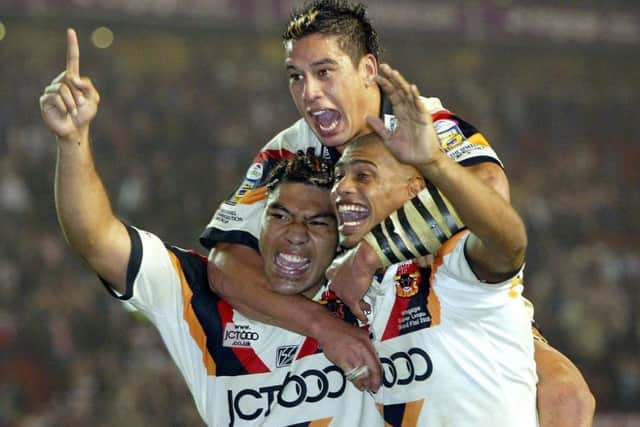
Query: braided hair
x,y
305,168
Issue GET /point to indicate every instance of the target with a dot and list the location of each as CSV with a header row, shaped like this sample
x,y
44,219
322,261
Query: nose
x,y
343,187
297,233
312,89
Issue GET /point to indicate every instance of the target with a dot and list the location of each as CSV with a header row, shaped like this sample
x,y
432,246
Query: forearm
x,y
84,211
564,398
249,292
483,210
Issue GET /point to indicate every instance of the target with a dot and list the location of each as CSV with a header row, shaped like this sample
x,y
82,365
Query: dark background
x,y
191,90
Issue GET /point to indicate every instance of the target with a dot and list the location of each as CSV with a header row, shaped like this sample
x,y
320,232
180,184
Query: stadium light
x,y
102,37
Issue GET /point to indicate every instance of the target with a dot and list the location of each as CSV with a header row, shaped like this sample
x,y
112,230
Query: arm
x,y
564,398
84,212
496,249
345,345
498,242
350,273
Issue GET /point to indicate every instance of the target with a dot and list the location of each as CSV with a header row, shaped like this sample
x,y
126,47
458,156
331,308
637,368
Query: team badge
x,y
407,280
449,134
248,192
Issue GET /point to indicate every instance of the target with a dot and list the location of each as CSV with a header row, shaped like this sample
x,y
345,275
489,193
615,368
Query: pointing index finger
x,y
73,53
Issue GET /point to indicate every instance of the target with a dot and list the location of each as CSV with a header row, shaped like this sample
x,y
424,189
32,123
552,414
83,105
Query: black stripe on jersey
x,y
334,154
406,226
212,236
397,240
466,128
394,414
133,266
384,244
442,207
205,306
426,215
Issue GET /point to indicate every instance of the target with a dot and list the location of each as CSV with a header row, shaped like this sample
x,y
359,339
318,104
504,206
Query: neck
x,y
313,291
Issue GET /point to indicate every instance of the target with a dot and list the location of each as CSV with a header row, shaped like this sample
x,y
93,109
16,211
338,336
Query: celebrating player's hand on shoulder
x,y
414,140
70,102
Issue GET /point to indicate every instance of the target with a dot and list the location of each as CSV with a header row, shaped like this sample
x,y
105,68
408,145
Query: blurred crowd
x,y
183,111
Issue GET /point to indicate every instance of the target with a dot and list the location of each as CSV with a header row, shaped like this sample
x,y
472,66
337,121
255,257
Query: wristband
x,y
418,228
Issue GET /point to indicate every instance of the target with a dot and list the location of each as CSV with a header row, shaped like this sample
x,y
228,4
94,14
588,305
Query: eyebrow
x,y
356,162
324,61
327,214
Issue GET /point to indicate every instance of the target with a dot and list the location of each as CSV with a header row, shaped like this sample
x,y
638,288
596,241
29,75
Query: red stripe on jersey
x,y
440,115
392,329
247,357
308,347
273,154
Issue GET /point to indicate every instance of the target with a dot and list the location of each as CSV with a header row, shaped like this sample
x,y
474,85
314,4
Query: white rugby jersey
x,y
455,351
240,372
237,219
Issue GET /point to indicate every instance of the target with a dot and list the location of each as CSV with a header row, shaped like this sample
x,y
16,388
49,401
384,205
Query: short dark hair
x,y
305,168
349,22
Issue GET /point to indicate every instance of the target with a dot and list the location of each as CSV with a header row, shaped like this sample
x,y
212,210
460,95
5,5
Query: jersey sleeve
x,y
237,219
156,277
459,139
460,287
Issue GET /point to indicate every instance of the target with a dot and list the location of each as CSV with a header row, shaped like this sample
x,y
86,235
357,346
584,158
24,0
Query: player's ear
x,y
368,68
415,185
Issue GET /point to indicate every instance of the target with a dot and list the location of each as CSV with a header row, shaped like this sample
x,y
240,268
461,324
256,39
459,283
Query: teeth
x,y
351,208
323,123
351,223
331,127
293,258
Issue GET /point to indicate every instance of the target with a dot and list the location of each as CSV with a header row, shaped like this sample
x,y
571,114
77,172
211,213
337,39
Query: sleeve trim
x,y
212,236
133,267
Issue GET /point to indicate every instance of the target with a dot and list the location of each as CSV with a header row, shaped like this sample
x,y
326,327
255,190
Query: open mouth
x,y
291,265
352,215
326,120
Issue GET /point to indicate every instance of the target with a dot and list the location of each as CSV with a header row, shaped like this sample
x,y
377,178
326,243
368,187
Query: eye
x,y
363,177
320,223
278,216
324,72
295,77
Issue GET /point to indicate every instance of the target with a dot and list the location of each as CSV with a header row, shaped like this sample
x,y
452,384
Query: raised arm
x,y
68,106
498,242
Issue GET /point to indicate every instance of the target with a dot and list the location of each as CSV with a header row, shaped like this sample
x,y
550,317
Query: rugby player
x,y
454,337
239,371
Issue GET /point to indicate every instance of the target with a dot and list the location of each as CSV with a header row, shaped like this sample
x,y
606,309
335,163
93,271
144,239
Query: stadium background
x,y
190,91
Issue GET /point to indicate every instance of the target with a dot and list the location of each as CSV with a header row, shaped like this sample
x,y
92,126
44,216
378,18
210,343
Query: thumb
x,y
358,310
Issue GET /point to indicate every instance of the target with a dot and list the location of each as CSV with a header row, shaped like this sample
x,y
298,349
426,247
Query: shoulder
x,y
298,136
434,105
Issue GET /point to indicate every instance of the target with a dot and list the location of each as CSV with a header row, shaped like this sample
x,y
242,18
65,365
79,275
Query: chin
x,y
350,241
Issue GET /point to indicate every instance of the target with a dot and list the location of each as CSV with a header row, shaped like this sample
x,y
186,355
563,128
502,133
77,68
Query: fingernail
x,y
77,80
81,100
74,112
